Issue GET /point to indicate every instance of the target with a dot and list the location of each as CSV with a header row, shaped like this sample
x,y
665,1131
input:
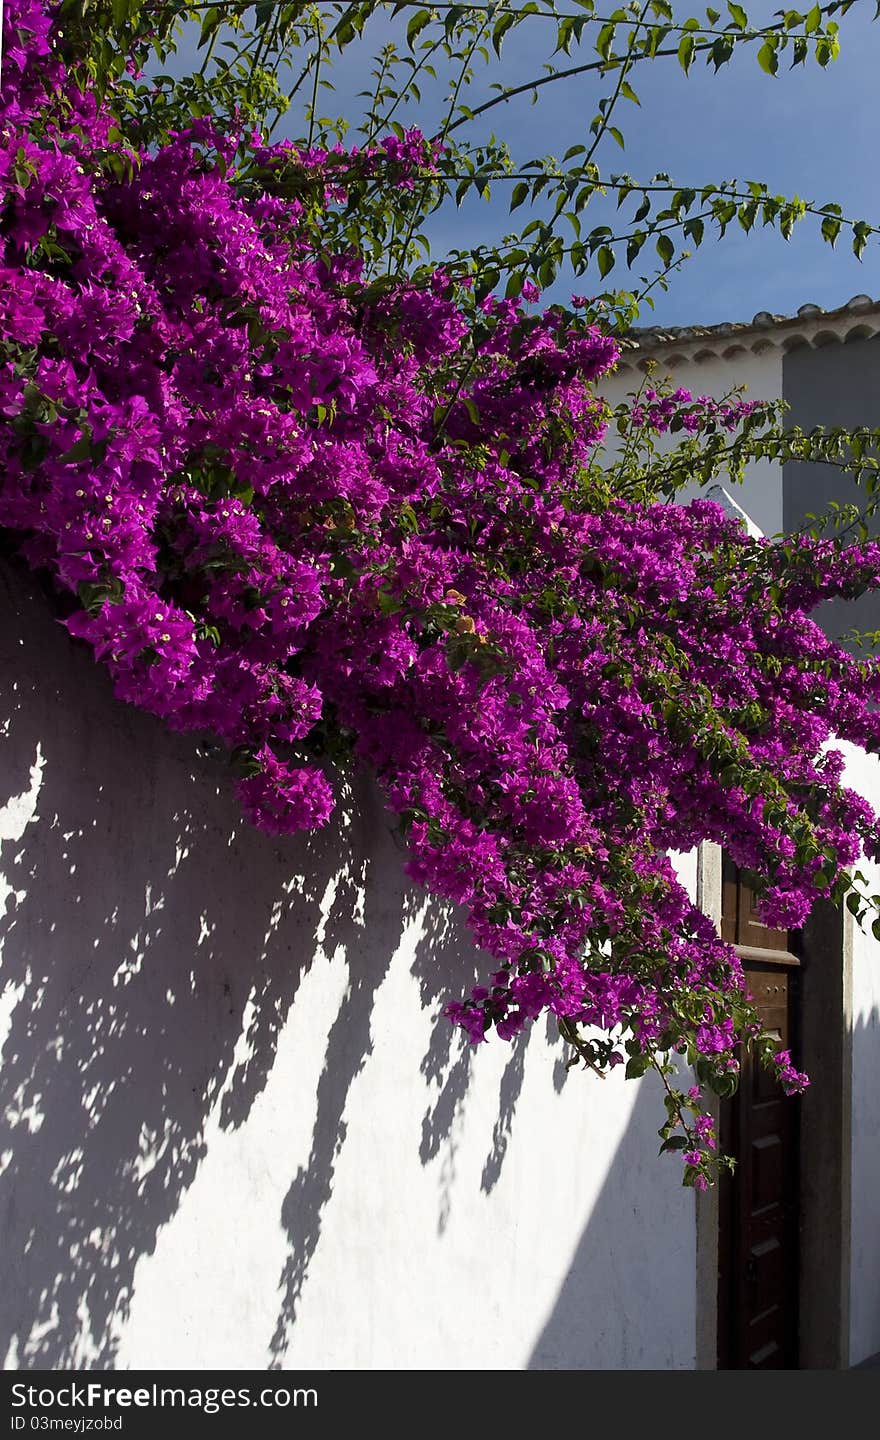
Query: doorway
x,y
759,1209
818,1007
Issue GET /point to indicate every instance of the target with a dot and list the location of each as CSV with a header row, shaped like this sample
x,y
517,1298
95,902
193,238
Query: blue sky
x,y
809,131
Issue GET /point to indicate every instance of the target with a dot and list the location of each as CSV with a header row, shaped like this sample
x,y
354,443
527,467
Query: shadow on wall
x,y
628,1299
865,1263
152,948
619,1265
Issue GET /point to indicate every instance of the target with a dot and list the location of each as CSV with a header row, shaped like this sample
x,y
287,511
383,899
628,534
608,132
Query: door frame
x,y
825,1142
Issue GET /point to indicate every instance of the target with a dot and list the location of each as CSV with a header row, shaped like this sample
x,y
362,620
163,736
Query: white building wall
x,y
236,1130
863,774
760,493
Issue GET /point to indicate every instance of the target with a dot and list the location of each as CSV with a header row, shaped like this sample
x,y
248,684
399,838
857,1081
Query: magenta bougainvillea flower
x,y
311,513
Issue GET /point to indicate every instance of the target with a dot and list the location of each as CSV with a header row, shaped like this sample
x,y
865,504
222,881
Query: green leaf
x,y
605,260
861,232
453,16
724,1086
738,16
416,26
507,19
767,58
388,603
408,520
636,1066
636,242
81,449
486,283
721,51
605,40
801,50
747,213
674,1142
210,23
520,192
665,249
547,272
686,49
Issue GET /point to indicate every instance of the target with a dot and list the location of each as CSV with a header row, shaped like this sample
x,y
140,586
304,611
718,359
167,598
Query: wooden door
x,y
758,1232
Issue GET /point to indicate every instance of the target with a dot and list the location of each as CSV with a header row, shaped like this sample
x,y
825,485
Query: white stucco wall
x,y
760,493
236,1131
863,773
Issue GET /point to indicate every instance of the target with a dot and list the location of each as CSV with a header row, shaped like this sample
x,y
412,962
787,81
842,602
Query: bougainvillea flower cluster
x,y
318,514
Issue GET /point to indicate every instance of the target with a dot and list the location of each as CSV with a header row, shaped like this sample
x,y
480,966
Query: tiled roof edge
x,y
858,319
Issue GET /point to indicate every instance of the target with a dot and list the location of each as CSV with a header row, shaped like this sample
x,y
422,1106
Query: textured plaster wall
x,y
234,1129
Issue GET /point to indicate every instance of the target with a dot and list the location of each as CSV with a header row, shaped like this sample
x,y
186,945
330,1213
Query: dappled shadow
x,y
152,950
147,920
447,1063
443,963
562,1066
511,1089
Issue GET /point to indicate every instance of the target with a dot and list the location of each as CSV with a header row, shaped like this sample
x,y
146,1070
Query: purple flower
x,y
317,518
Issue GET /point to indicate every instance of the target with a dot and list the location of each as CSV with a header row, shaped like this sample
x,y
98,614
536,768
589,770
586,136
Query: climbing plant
x,y
332,503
